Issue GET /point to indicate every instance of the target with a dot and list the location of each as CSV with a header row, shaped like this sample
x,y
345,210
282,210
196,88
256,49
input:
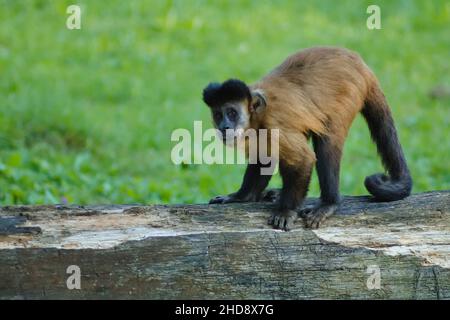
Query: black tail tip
x,y
383,188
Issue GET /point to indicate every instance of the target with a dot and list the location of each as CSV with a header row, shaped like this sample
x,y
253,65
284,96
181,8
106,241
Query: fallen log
x,y
396,250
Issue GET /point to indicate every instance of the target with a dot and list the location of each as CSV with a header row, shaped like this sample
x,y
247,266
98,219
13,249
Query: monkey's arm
x,y
253,185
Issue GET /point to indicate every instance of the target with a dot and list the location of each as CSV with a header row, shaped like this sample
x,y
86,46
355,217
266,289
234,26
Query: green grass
x,y
86,115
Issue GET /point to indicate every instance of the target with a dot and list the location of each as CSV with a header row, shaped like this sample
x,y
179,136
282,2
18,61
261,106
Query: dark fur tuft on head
x,y
216,94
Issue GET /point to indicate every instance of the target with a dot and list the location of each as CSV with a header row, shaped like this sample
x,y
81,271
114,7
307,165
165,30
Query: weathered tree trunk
x,y
227,251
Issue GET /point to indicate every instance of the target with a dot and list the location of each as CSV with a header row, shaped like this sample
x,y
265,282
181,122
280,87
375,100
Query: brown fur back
x,y
318,90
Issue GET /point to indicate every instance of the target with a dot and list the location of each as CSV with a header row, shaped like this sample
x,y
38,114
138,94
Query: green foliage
x,y
86,115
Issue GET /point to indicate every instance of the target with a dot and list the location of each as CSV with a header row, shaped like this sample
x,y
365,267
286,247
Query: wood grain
x,y
226,251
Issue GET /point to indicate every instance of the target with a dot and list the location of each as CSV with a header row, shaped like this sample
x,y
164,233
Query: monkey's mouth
x,y
226,136
229,140
231,137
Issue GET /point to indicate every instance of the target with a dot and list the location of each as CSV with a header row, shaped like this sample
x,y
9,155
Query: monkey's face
x,y
231,119
232,105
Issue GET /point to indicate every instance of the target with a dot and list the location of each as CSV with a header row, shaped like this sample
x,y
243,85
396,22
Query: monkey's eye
x,y
232,114
217,115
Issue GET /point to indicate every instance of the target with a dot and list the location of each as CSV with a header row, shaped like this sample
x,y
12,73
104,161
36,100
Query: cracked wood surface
x,y
226,251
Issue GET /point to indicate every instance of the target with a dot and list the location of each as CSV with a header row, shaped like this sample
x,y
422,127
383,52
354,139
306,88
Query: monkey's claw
x,y
220,199
225,199
284,221
318,215
304,211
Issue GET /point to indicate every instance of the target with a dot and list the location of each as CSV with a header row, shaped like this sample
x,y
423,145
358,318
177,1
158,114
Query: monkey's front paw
x,y
318,215
283,220
223,199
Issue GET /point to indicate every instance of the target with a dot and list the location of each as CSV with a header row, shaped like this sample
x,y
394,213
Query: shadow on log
x,y
396,250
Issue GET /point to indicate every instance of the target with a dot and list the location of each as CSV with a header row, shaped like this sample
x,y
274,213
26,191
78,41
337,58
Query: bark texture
x,y
227,252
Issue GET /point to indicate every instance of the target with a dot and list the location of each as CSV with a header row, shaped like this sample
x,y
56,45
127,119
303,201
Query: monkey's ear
x,y
210,93
258,103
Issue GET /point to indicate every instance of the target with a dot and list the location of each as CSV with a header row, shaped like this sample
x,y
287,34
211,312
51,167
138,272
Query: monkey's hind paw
x,y
318,215
283,220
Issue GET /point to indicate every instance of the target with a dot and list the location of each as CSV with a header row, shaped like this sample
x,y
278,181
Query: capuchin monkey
x,y
314,94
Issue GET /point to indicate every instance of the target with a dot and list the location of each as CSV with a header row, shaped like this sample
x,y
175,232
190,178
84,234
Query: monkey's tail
x,y
398,184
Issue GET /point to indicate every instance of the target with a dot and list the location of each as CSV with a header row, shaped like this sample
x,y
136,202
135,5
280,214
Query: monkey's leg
x,y
328,152
253,185
295,186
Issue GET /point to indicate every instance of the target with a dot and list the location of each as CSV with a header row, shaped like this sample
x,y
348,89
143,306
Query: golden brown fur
x,y
317,90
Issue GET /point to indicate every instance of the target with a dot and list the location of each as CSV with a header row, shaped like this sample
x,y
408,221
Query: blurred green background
x,y
86,115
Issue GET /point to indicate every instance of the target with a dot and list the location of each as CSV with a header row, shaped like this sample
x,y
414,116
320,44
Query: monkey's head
x,y
233,105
